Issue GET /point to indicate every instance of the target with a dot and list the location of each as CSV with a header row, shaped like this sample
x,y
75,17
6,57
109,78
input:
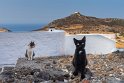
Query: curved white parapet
x,y
109,36
95,44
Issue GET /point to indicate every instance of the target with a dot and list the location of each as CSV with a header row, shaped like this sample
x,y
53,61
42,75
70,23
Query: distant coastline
x,y
22,27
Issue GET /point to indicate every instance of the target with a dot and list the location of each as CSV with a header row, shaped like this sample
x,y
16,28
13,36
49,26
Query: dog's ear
x,y
75,41
84,39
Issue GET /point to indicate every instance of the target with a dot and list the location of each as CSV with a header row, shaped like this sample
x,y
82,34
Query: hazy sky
x,y
44,11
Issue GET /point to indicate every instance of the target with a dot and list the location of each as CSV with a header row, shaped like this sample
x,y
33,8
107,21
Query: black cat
x,y
80,61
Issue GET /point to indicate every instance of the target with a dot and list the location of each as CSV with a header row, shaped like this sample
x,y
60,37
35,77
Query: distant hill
x,y
78,23
4,30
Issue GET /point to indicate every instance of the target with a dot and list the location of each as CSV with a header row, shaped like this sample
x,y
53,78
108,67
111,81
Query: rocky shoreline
x,y
107,68
2,29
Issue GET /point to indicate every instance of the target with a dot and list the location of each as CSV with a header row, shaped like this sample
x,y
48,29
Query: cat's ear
x,y
84,39
33,43
75,41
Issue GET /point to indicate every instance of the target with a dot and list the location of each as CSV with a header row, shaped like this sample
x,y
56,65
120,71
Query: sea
x,y
22,27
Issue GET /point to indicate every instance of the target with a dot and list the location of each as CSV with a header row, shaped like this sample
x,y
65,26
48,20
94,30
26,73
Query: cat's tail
x,y
26,55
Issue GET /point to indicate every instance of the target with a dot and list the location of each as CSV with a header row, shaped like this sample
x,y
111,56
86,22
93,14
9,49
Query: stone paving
x,y
107,68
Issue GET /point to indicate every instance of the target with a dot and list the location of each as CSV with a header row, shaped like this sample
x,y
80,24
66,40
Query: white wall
x,y
13,45
95,44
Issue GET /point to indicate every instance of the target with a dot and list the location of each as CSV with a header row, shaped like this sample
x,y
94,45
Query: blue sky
x,y
44,11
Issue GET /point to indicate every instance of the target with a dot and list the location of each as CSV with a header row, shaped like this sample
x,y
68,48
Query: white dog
x,y
29,52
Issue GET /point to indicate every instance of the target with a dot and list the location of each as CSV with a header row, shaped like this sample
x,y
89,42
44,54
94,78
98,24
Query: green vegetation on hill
x,y
119,22
78,23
